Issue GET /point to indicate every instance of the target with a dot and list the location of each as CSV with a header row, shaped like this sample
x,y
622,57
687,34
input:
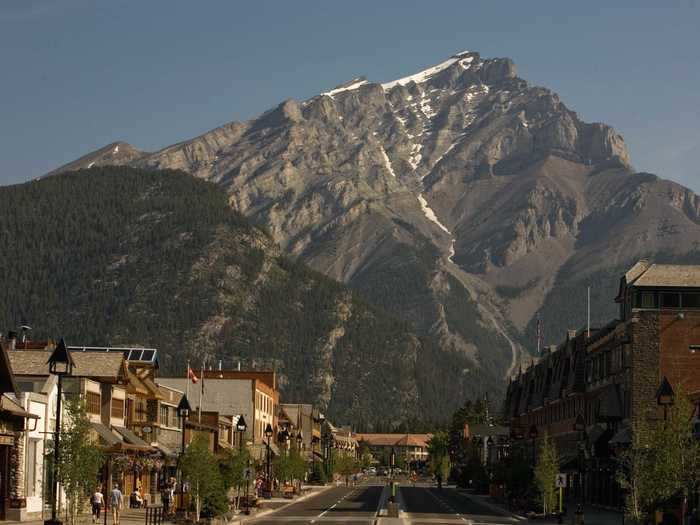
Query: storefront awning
x,y
105,434
131,438
167,452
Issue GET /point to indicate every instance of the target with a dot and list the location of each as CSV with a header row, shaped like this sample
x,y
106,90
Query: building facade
x,y
606,378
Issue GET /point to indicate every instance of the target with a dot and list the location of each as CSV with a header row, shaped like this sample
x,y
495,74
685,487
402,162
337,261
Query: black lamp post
x,y
60,364
489,449
665,396
580,429
533,436
241,427
300,440
183,411
268,479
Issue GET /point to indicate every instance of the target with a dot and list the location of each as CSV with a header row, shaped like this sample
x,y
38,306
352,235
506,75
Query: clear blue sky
x,y
78,74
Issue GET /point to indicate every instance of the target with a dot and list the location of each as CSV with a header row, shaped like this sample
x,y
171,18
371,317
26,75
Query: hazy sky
x,y
78,74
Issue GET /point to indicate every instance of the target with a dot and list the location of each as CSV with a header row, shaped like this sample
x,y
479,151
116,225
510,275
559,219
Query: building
x,y
14,428
410,447
228,394
303,419
605,378
119,392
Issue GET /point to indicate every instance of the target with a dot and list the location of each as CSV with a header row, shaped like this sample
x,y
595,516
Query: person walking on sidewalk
x,y
116,500
97,500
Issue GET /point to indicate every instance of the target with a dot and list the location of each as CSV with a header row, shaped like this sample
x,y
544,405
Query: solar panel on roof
x,y
148,355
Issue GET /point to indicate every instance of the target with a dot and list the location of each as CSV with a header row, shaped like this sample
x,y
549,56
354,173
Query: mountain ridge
x,y
462,168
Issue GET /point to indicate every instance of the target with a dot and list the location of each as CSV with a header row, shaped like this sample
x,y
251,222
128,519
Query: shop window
x,y
670,300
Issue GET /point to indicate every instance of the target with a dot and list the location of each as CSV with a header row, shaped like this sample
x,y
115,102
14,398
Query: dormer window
x,y
646,300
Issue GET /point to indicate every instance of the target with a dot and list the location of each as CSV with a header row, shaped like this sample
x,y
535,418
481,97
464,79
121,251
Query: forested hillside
x,y
117,256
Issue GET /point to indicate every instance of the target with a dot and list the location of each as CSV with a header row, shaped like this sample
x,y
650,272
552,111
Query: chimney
x,y
12,339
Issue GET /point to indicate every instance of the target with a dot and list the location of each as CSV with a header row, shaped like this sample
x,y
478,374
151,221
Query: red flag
x,y
191,375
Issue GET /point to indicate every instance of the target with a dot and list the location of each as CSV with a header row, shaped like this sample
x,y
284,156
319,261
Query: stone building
x,y
614,373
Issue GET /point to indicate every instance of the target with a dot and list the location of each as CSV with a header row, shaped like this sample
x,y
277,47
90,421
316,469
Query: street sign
x,y
146,429
247,473
560,481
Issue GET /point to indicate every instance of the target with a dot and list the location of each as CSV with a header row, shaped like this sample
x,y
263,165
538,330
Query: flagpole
x,y
201,393
588,315
539,335
187,383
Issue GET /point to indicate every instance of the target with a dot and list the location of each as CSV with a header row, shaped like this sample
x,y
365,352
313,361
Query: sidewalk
x,y
138,516
596,516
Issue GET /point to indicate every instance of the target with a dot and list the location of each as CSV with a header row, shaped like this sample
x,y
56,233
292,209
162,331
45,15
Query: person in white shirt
x,y
97,501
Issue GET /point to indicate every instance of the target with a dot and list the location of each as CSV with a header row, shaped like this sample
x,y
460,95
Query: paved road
x,y
427,505
351,505
421,505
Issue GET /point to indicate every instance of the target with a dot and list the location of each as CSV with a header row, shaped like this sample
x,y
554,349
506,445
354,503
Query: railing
x,y
154,514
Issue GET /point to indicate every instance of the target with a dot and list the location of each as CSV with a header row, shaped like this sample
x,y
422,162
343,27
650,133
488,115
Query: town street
x,y
366,503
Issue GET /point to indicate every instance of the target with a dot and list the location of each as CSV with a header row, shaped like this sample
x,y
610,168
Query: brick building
x,y
609,376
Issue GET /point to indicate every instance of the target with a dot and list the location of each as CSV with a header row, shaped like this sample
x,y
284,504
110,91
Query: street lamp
x,y
268,433
183,411
241,427
60,364
665,396
580,429
300,440
489,450
533,436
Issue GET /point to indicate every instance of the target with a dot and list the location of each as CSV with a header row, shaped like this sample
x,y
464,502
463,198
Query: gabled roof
x,y
660,275
671,275
7,380
94,365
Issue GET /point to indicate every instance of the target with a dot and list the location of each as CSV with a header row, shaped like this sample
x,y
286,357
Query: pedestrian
x,y
97,501
438,476
167,498
116,500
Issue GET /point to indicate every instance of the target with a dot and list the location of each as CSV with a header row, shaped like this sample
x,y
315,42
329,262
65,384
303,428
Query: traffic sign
x,y
560,481
247,473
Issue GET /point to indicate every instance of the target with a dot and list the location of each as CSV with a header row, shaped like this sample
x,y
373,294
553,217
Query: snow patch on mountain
x,y
430,214
387,162
349,87
424,75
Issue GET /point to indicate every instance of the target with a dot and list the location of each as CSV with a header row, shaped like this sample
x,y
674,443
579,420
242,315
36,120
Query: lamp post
x,y
580,429
241,427
183,411
300,440
533,436
489,451
268,480
665,396
60,364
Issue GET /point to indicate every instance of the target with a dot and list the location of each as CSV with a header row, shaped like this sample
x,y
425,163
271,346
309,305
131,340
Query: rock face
x,y
459,198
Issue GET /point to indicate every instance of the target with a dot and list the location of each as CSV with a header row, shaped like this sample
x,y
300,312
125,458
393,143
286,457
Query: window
x,y
141,413
164,416
670,300
92,402
645,300
690,300
117,408
31,467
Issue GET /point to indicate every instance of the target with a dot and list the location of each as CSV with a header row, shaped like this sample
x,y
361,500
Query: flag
x,y
191,375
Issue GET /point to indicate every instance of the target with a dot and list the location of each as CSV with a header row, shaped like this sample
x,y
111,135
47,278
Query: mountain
x,y
116,255
460,199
